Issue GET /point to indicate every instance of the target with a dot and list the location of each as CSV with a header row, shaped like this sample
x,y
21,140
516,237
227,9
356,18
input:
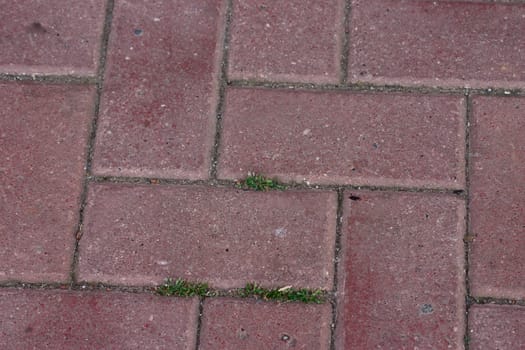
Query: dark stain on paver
x,y
354,198
427,309
37,27
243,334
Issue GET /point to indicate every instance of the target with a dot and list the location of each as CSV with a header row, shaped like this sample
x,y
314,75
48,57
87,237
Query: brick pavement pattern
x,y
394,128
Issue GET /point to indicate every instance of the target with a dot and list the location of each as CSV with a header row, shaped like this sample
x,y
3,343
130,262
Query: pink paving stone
x,y
437,43
295,40
401,282
95,320
247,324
496,327
43,138
47,37
341,137
157,111
142,234
497,207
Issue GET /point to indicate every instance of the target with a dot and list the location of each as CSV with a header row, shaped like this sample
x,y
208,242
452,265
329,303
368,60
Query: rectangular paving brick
x,y
401,282
256,325
295,40
437,43
496,327
137,234
46,37
344,138
497,187
157,116
95,320
43,137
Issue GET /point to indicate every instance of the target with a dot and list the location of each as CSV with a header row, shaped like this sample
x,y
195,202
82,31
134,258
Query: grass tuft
x,y
261,183
182,288
282,294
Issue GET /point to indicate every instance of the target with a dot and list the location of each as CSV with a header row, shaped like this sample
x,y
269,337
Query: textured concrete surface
x,y
157,115
49,38
498,198
494,327
344,138
43,138
243,324
142,234
38,319
401,282
295,40
437,43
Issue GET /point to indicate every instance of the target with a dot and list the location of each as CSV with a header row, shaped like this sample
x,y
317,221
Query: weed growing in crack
x,y
282,294
259,182
182,288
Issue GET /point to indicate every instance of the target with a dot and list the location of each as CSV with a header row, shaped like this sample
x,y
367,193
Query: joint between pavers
x,y
93,129
337,260
236,184
49,79
377,88
223,78
345,44
494,301
199,323
467,238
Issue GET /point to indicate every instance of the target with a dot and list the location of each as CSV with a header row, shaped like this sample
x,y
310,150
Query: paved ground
x,y
125,127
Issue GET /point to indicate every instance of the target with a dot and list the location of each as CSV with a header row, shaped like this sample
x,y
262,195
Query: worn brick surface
x,y
157,112
498,197
95,320
449,43
245,324
43,136
402,275
496,327
295,40
143,234
365,139
46,37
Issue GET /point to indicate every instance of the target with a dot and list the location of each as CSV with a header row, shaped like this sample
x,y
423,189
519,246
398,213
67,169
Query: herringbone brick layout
x,y
261,174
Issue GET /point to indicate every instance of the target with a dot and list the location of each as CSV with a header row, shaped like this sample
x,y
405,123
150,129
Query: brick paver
x,y
360,139
95,320
496,327
43,137
401,284
438,43
294,40
50,38
157,111
498,197
239,324
143,234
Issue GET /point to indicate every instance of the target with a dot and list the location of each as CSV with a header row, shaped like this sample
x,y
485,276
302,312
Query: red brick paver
x,y
95,320
50,38
401,284
497,327
239,324
498,198
43,137
157,111
450,43
143,234
294,40
360,139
